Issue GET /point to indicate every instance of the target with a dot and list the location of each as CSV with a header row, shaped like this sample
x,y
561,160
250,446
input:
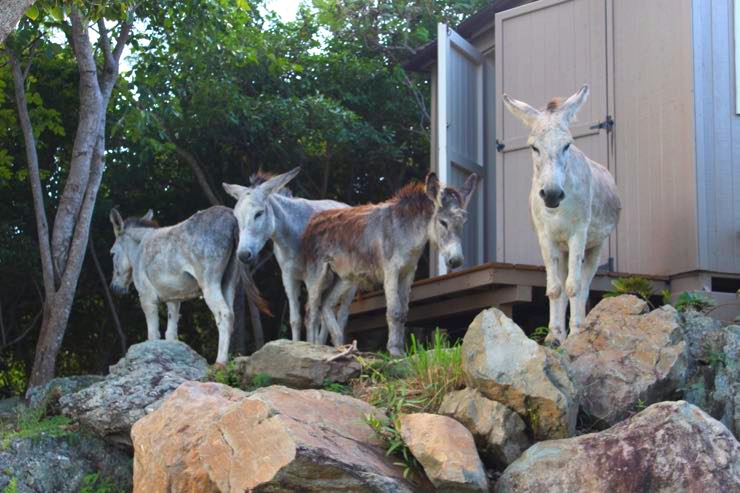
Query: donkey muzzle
x,y
118,290
245,256
552,197
454,262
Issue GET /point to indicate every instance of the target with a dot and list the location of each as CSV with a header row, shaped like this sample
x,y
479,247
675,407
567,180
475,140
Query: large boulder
x,y
726,392
499,432
446,451
208,437
668,447
135,386
627,357
69,463
297,364
506,366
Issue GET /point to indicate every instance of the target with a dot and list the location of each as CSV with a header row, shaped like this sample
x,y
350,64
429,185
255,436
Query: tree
x,y
10,12
62,249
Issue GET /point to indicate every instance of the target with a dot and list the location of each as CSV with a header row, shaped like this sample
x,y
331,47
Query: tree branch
x,y
42,225
106,292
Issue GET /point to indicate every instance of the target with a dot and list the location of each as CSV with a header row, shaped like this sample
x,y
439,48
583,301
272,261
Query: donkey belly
x,y
179,286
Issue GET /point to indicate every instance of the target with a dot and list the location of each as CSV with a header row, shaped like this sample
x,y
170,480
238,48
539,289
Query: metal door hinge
x,y
500,145
607,124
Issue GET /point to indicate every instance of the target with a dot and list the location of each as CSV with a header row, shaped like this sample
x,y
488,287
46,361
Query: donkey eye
x,y
443,223
534,148
258,214
567,146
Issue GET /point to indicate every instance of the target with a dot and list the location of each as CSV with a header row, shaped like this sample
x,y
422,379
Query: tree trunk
x,y
10,12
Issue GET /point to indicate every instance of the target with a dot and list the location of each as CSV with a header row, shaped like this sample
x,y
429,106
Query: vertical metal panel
x,y
460,129
654,136
544,49
717,136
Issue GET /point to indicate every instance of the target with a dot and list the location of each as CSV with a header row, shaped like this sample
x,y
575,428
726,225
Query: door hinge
x,y
500,145
607,124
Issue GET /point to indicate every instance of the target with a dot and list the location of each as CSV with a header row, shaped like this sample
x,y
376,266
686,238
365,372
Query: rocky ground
x,y
641,400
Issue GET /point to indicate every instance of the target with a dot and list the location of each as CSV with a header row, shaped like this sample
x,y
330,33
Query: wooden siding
x,y
717,137
654,136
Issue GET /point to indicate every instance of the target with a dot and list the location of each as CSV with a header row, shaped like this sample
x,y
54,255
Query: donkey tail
x,y
253,293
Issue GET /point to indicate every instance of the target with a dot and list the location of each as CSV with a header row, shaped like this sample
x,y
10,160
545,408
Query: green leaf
x,y
57,13
32,12
243,4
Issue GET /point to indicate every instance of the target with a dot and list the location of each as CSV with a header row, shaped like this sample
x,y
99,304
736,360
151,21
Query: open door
x,y
545,49
460,127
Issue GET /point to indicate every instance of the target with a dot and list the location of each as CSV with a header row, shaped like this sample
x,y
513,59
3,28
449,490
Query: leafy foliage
x,y
32,422
635,285
227,376
696,301
539,334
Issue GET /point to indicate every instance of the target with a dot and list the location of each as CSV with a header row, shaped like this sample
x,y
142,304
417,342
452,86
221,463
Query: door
x,y
544,49
460,127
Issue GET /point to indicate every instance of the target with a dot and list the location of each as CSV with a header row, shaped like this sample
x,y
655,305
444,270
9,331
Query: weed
x,y
227,376
31,422
388,430
539,334
94,483
696,301
12,486
636,285
259,380
641,405
339,388
666,295
716,359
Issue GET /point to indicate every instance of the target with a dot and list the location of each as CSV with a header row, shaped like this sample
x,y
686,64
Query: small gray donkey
x,y
177,263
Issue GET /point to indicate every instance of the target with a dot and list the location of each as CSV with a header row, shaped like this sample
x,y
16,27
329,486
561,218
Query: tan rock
x,y
669,447
297,364
498,431
625,356
209,437
506,366
446,451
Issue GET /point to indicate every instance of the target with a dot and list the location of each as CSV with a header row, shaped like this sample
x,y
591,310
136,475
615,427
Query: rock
x,y
446,450
9,407
44,462
135,386
726,392
703,335
506,366
297,364
58,387
208,437
668,447
498,431
626,357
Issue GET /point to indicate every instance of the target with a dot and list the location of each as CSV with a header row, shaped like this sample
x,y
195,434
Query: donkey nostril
x,y
562,194
542,193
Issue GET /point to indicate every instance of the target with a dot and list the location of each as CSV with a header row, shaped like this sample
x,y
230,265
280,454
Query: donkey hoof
x,y
218,366
396,352
552,340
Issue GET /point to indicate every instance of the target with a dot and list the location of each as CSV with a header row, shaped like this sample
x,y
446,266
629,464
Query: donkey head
x,y
255,217
550,141
450,214
123,249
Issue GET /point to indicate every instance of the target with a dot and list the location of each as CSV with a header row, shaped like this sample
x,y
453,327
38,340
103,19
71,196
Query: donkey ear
x,y
117,221
277,182
571,105
148,216
468,188
521,110
235,191
432,186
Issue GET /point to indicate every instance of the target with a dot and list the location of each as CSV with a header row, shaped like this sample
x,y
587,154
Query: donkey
x,y
574,207
178,263
265,212
381,243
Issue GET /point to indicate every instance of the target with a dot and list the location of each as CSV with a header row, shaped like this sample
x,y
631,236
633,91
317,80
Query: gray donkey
x,y
265,212
178,263
375,243
574,207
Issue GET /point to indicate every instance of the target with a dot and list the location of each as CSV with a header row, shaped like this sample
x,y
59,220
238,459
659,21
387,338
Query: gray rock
x,y
297,364
506,366
60,464
668,447
498,431
9,407
58,387
726,394
627,356
703,335
135,386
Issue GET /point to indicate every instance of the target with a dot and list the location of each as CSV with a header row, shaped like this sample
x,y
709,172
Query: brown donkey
x,y
381,243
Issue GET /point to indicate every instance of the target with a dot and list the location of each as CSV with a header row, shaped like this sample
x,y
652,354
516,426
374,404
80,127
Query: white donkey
x,y
266,214
574,207
177,263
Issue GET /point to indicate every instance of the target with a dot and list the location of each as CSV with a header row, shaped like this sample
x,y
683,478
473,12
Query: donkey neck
x,y
414,219
290,216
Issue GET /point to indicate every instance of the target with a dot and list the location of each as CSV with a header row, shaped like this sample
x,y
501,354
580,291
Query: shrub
x,y
635,285
699,302
539,334
227,376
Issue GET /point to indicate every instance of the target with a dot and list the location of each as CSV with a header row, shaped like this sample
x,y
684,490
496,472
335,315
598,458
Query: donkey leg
x,y
173,317
151,313
343,311
576,251
578,304
224,315
315,287
337,293
558,305
293,292
395,313
554,266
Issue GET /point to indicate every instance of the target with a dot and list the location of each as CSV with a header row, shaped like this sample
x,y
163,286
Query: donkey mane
x,y
554,104
137,222
345,227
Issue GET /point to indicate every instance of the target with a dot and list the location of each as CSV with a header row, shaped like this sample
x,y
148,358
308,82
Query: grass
x,y
95,483
32,422
11,487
